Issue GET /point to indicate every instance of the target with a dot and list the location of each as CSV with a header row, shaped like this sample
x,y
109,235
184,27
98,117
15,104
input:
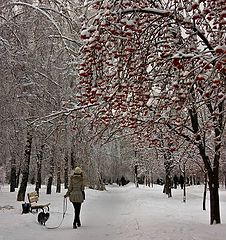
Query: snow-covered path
x,y
120,213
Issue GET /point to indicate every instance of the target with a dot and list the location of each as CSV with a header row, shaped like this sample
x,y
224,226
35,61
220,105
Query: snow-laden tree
x,y
39,44
152,65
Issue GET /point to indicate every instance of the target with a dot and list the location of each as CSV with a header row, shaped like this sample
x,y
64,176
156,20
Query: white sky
x,y
120,213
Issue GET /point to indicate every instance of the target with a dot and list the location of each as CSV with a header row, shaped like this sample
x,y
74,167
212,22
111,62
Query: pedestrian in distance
x,y
76,194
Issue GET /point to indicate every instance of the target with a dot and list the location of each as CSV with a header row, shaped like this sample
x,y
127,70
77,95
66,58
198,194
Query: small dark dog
x,y
43,217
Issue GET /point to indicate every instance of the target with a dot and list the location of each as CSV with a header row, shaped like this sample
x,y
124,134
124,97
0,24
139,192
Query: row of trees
x,y
158,68
42,133
148,78
34,65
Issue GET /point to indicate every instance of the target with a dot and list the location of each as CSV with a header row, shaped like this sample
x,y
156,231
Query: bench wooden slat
x,y
40,206
33,198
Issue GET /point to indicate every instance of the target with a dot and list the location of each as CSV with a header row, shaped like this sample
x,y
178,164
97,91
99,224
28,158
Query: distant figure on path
x,y
123,181
76,194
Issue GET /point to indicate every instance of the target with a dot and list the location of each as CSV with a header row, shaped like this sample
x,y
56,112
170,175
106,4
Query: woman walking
x,y
76,194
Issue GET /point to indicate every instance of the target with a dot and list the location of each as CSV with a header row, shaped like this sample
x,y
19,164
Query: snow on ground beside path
x,y
120,213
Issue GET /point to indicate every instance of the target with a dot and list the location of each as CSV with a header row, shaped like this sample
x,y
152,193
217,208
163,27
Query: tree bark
x,y
225,180
66,178
18,177
212,168
204,193
39,169
25,173
167,186
213,175
152,180
168,169
184,187
214,202
58,187
73,153
50,179
13,175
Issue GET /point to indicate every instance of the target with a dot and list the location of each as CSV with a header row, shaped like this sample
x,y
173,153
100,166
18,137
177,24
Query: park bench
x,y
33,200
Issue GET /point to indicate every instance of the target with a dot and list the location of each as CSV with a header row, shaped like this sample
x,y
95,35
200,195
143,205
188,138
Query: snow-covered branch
x,y
154,11
55,115
39,10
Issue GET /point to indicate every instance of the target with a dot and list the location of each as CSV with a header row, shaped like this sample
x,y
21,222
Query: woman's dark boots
x,y
78,223
74,225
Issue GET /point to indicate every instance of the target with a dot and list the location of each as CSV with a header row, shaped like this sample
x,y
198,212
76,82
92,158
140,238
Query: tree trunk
x,y
50,179
184,187
18,177
225,180
212,168
25,173
73,153
214,203
13,175
213,175
214,199
213,188
39,169
49,185
66,178
152,180
148,179
204,193
136,175
167,186
168,168
194,180
58,187
101,185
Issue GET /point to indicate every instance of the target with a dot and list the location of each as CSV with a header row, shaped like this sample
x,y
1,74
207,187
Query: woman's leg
x,y
77,207
74,222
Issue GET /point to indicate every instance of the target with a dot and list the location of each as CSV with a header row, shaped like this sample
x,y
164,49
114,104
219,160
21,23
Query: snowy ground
x,y
119,213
